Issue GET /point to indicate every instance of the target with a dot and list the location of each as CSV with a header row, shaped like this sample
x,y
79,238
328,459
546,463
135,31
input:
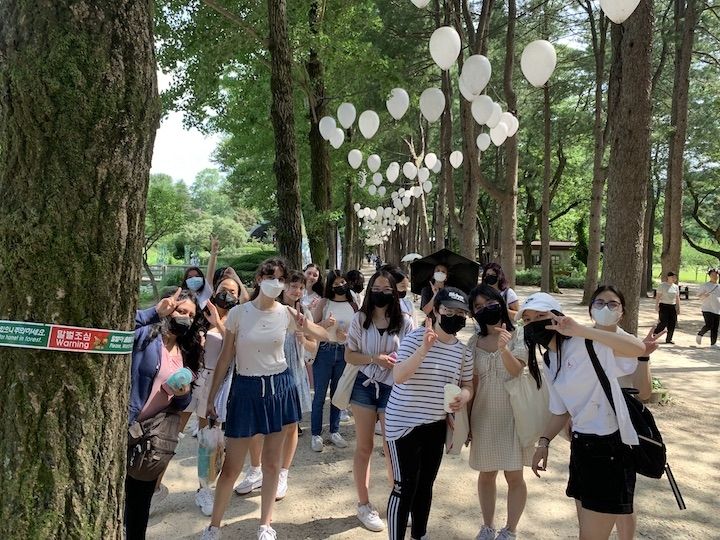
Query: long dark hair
x,y
318,287
185,277
606,288
495,267
267,268
397,274
394,312
490,293
330,294
532,347
294,276
193,353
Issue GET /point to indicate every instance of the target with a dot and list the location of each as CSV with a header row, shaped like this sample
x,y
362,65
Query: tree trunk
x,y
545,215
282,112
685,22
350,231
78,113
439,214
153,283
630,117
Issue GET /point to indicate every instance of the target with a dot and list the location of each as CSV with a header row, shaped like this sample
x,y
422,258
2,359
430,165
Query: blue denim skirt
x,y
261,405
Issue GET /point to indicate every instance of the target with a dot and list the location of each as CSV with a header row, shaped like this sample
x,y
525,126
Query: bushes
x,y
571,282
173,278
528,278
531,278
246,265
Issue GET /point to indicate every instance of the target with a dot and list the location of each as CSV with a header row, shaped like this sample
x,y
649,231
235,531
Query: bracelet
x,y
548,442
538,446
643,358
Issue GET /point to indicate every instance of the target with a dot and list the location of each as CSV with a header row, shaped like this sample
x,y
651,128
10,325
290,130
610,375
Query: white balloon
x,y
337,138
538,61
417,192
393,171
423,174
513,127
369,123
476,73
456,159
482,108
395,211
430,160
355,158
327,127
373,162
409,170
617,10
372,190
346,114
381,191
427,186
509,120
467,94
445,46
388,212
373,212
494,116
483,142
394,195
438,166
420,3
406,201
356,206
432,104
397,203
401,192
377,178
398,103
498,134
363,181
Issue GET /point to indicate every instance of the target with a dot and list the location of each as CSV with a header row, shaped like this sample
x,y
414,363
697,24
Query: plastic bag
x,y
211,452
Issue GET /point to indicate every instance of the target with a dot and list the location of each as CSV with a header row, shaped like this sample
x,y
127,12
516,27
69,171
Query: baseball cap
x,y
539,301
453,298
671,274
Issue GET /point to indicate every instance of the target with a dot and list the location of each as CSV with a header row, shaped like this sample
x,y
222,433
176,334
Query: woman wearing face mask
x,y
494,276
429,292
415,417
667,304
166,340
263,399
375,334
334,312
499,355
356,282
403,289
602,475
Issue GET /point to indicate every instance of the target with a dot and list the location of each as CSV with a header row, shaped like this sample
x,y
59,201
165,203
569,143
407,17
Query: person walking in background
x,y
667,305
356,282
494,276
430,291
402,283
710,295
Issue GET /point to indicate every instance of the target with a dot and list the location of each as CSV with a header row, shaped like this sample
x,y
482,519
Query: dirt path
x,y
321,499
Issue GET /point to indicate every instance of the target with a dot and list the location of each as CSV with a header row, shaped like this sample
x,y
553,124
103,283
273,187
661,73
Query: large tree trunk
x,y
153,283
630,117
350,226
78,113
685,22
282,112
545,279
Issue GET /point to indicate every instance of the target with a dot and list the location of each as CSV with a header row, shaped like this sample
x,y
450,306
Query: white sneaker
x,y
266,532
159,496
369,517
338,441
698,339
205,500
378,428
486,533
316,443
282,485
211,533
505,534
344,417
253,480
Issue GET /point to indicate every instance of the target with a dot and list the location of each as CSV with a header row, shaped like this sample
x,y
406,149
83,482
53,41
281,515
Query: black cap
x,y
670,274
716,270
452,298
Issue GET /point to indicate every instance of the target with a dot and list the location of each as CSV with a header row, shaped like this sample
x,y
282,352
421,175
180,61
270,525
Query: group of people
x,y
256,356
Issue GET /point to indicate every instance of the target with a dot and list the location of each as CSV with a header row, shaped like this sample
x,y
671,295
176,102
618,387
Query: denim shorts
x,y
373,396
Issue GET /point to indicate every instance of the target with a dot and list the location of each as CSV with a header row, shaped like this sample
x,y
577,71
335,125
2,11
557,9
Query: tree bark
x,y
545,280
78,113
282,112
153,283
630,117
685,22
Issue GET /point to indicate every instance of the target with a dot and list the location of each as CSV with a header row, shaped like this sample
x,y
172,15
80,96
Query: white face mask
x,y
605,316
440,276
272,288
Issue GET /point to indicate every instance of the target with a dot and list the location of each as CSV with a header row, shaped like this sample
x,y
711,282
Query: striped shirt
x,y
420,399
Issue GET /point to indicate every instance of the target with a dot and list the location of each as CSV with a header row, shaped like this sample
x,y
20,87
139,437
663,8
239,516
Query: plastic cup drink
x,y
451,392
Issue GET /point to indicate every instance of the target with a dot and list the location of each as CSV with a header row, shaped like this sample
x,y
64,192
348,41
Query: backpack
x,y
151,445
650,456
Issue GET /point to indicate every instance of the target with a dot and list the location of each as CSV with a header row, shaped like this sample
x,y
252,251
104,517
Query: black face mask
x,y
381,299
179,326
358,288
340,290
452,325
536,333
489,315
225,300
491,280
402,294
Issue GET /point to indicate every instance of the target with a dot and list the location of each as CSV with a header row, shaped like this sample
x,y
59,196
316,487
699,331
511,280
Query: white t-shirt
x,y
420,399
667,293
712,302
509,296
406,304
213,346
576,389
308,297
343,314
627,365
259,338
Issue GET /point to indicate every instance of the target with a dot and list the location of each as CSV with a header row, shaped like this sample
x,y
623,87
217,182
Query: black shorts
x,y
602,475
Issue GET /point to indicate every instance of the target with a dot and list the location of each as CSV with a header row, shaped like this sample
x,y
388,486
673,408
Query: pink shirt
x,y
161,394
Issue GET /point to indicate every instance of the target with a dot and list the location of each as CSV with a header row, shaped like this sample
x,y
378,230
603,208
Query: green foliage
x,y
580,252
531,278
528,278
168,206
246,265
173,278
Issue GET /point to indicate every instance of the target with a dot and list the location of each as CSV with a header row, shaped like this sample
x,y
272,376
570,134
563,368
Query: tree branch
x,y
215,6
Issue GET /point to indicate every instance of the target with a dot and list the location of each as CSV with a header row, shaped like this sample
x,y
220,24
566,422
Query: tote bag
x,y
341,397
530,406
458,423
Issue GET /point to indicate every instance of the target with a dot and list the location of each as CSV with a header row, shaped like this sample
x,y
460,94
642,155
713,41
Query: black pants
x,y
415,460
668,319
138,496
712,322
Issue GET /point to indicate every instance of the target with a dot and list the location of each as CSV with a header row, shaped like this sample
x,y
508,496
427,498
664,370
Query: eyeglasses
x,y
491,306
386,290
452,312
612,304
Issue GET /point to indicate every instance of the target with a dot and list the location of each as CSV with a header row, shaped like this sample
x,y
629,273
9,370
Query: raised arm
x,y
402,371
212,262
622,344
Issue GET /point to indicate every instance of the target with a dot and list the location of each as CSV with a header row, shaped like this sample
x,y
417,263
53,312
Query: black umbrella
x,y
462,272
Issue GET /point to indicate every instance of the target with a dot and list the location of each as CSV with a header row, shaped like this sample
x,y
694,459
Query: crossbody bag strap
x,y
604,381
